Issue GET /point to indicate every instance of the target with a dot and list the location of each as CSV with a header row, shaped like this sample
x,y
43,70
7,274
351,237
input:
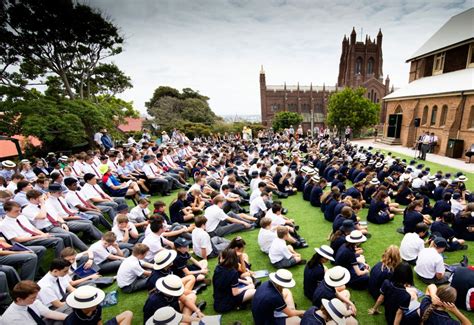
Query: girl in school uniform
x,y
384,269
315,269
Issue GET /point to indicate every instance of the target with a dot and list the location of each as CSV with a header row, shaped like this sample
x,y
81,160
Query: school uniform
x,y
176,211
311,279
401,197
266,302
101,254
347,258
437,317
315,196
154,276
329,210
354,193
53,288
429,263
411,246
223,281
440,208
463,282
410,220
460,225
378,213
323,291
157,300
265,239
129,275
394,298
310,317
77,317
336,244
308,187
378,274
279,254
138,214
181,262
16,314
154,243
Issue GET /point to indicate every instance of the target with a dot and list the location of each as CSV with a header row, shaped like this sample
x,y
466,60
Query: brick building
x,y
440,91
361,65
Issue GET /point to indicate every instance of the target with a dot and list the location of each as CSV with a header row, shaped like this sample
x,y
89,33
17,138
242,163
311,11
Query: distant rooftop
x,y
457,29
302,88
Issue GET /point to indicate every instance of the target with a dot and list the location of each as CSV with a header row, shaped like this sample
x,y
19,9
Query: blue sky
x,y
217,46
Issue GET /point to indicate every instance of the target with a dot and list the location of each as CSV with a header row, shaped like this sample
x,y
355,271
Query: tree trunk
x,y
67,85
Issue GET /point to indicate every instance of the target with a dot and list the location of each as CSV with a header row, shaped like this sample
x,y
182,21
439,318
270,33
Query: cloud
x,y
217,47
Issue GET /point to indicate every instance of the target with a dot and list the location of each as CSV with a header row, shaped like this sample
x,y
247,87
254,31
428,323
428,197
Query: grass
x,y
315,229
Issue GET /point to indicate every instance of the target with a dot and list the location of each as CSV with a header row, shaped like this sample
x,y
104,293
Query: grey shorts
x,y
284,263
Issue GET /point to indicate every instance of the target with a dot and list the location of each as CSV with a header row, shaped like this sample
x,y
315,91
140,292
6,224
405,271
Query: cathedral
x,y
360,65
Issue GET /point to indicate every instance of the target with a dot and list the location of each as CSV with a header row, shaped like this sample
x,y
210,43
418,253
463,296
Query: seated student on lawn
x,y
69,254
430,265
154,240
463,282
315,269
278,219
131,276
17,228
441,228
106,253
399,297
273,301
140,214
238,244
266,234
258,207
203,245
126,232
27,309
412,216
412,243
179,212
379,211
334,286
170,292
55,286
317,192
463,224
230,291
332,311
181,268
281,255
384,269
87,310
347,257
437,303
338,238
221,224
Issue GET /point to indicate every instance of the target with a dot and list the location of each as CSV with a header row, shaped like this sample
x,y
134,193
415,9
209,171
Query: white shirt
x,y
265,239
278,251
50,290
149,171
255,194
456,206
277,220
201,239
214,215
54,208
137,214
411,246
91,169
129,271
11,229
100,252
73,200
90,192
31,211
257,205
429,263
16,314
11,187
119,233
153,241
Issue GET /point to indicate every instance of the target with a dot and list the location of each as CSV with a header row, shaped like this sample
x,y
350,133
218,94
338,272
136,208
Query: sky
x,y
218,46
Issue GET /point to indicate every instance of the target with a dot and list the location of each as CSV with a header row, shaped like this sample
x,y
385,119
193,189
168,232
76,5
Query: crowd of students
x,y
60,202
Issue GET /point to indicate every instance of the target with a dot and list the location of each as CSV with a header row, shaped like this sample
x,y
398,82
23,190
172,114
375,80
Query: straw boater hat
x,y
63,158
164,258
311,172
85,297
336,309
165,316
355,237
8,164
283,278
315,178
374,181
25,161
170,285
462,178
337,276
325,251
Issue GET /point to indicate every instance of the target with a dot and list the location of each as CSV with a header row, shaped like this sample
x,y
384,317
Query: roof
x,y
302,88
8,148
131,125
458,29
451,82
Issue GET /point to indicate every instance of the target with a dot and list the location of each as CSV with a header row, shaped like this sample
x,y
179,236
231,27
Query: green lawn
x,y
315,229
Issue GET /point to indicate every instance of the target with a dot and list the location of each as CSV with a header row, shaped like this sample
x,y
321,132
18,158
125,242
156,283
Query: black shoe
x,y
297,227
464,261
285,211
201,305
368,236
257,283
401,230
302,262
464,247
201,286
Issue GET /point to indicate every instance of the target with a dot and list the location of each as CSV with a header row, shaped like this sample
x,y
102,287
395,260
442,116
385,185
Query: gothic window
x,y
438,64
370,66
424,118
444,115
434,112
358,67
372,95
376,100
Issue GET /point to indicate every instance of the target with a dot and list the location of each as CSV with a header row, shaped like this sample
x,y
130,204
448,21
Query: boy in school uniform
x,y
266,235
131,276
106,253
126,232
412,243
281,255
140,214
204,245
154,240
181,266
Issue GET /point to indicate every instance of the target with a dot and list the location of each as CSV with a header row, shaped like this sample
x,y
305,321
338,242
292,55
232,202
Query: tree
x,y
283,120
350,107
63,39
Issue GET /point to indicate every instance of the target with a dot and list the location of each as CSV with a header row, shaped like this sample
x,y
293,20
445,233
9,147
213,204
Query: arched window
x,y
434,112
444,115
372,95
424,118
399,110
358,67
376,100
370,66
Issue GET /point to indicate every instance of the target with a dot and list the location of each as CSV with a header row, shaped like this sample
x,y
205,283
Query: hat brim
x,y
168,261
336,318
355,241
73,303
341,282
8,164
159,285
323,254
175,321
273,278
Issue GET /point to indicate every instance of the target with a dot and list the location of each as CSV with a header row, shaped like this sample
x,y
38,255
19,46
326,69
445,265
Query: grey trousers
x,y
26,262
109,208
52,242
225,228
86,227
137,285
4,288
69,238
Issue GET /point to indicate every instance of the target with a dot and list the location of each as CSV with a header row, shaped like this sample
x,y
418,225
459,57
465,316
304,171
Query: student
x,y
69,254
131,276
338,238
412,216
126,232
163,261
266,235
317,192
87,310
347,257
140,214
435,306
27,309
379,212
95,195
55,286
221,224
412,243
165,316
315,269
179,212
441,227
230,291
281,255
384,269
154,240
258,207
181,268
106,253
273,301
17,228
463,282
430,263
394,293
170,292
203,245
332,311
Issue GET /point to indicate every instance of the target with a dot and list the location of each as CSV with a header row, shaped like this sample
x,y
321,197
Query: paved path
x,y
442,160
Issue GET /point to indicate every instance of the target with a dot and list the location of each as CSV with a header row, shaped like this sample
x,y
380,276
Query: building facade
x,y
361,65
440,92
